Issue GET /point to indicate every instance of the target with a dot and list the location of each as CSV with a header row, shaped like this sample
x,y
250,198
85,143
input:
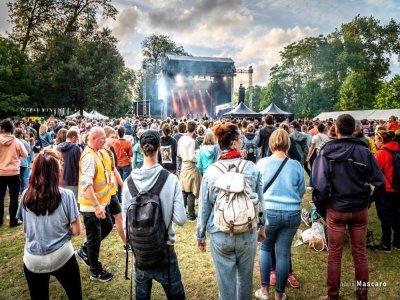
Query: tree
x,y
388,96
354,93
84,75
31,20
311,101
273,92
36,21
15,78
155,48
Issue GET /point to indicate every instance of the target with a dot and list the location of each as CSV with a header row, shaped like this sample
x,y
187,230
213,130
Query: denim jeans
x,y
356,223
280,229
144,280
124,172
233,258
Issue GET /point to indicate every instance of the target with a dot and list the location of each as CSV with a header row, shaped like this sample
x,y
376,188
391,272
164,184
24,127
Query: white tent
x,y
372,114
77,114
97,115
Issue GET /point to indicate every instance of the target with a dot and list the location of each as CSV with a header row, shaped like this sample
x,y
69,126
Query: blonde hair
x,y
42,129
209,139
279,141
109,131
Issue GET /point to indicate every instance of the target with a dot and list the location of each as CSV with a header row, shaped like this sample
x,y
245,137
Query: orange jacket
x,y
385,162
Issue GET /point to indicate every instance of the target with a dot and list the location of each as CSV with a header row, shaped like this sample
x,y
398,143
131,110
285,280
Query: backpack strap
x,y
276,174
132,187
242,164
220,166
156,189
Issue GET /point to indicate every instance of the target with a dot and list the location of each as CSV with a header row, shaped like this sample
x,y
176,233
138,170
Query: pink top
x,y
11,149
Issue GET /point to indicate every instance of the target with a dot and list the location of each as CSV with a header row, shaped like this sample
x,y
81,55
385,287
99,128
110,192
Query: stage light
x,y
179,80
225,78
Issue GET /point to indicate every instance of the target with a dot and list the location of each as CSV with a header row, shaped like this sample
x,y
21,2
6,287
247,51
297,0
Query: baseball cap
x,y
151,137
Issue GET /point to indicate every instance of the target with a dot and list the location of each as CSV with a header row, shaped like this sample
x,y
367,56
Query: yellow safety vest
x,y
101,185
109,162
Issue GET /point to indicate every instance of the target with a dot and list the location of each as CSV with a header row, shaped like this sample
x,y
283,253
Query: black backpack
x,y
395,182
146,232
250,146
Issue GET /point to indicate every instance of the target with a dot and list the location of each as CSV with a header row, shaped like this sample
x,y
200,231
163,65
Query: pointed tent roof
x,y
273,109
98,115
242,111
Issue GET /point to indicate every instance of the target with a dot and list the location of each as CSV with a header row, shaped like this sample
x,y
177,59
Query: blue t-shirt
x,y
287,190
48,233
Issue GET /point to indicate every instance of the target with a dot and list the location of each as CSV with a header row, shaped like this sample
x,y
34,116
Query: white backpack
x,y
234,211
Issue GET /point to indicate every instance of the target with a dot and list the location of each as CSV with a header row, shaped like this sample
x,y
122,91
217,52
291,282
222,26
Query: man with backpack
x,y
151,202
264,135
346,179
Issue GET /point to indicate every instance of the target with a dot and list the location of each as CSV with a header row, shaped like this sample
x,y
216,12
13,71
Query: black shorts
x,y
114,206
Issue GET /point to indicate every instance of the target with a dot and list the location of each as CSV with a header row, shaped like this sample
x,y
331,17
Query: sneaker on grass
x,y
83,257
293,281
103,276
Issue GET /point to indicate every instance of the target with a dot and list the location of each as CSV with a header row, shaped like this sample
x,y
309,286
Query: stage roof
x,y
195,65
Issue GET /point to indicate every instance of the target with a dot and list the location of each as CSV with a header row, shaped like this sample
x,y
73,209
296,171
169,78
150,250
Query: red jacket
x,y
385,162
123,149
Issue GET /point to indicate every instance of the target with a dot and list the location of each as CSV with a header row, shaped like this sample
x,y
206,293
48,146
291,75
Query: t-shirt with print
x,y
46,234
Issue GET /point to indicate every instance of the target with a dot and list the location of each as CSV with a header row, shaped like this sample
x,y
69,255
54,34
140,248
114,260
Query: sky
x,y
251,32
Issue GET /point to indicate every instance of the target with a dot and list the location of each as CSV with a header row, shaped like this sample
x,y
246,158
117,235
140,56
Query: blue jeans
x,y
233,258
280,229
124,172
144,280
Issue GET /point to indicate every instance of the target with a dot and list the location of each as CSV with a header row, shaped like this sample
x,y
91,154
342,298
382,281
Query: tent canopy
x,y
77,114
371,114
98,115
273,109
242,111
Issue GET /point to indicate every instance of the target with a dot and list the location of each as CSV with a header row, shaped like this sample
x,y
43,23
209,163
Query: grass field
x,y
197,269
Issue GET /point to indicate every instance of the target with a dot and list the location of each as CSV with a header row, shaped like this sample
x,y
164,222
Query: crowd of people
x,y
101,169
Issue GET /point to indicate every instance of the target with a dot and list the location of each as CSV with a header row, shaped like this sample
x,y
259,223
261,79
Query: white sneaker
x,y
260,295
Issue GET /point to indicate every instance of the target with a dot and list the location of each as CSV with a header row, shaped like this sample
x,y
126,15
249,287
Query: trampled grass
x,y
198,271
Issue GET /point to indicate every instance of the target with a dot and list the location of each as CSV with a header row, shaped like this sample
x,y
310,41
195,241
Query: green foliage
x,y
155,48
353,59
15,78
37,21
273,92
312,100
355,93
84,75
388,96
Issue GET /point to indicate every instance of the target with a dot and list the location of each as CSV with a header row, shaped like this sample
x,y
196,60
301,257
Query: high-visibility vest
x,y
101,179
109,162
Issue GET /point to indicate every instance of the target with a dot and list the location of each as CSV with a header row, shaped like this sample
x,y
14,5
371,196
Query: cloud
x,y
125,24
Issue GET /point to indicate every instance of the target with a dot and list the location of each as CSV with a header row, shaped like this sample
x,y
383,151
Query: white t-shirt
x,y
318,139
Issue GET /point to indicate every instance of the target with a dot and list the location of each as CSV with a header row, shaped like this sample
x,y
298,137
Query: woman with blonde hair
x,y
61,136
283,187
45,137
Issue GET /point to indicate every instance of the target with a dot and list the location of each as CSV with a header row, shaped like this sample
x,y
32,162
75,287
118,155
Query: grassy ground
x,y
197,269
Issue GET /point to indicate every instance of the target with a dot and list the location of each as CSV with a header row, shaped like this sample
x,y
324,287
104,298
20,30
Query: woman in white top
x,y
50,216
